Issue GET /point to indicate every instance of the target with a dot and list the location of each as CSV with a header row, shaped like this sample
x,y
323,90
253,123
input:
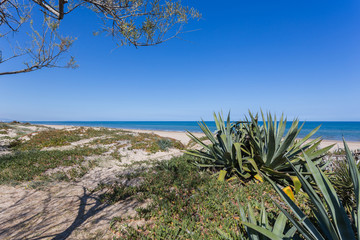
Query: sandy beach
x,y
184,138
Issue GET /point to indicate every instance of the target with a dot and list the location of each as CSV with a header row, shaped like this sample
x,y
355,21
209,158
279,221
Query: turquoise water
x,y
328,130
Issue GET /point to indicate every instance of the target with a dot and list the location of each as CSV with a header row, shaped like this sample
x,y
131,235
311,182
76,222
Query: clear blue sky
x,y
297,57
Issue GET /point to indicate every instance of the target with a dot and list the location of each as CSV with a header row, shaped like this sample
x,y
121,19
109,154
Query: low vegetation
x,y
151,143
34,153
5,126
62,137
186,203
247,180
30,165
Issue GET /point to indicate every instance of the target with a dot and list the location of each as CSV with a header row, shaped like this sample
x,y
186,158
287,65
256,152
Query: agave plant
x,y
271,148
330,219
252,151
263,229
224,150
343,184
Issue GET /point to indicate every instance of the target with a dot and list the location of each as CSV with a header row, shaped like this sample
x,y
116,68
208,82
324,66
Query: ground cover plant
x,y
60,137
4,126
15,129
29,165
186,203
31,156
63,137
149,142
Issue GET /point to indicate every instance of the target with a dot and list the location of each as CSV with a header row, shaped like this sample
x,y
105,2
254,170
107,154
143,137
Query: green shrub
x,y
343,184
4,126
164,144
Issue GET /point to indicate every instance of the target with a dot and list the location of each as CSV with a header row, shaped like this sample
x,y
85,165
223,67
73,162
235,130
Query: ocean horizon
x,y
329,130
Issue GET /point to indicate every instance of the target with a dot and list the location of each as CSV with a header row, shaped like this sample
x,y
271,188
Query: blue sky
x,y
301,58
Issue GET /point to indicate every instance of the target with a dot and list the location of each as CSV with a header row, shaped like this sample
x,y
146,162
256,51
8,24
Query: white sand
x,y
339,144
180,136
183,137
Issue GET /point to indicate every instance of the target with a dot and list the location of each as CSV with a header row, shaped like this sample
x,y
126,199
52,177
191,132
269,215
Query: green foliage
x,y
156,21
262,225
152,142
164,144
332,221
146,141
54,138
50,138
192,143
62,137
27,165
185,203
250,150
224,150
29,162
4,126
116,155
339,151
271,148
343,184
135,22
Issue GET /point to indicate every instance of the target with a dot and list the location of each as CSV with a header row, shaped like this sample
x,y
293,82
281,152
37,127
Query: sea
x,y
328,130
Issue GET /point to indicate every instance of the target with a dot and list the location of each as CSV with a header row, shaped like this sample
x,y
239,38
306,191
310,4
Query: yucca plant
x,y
252,151
330,219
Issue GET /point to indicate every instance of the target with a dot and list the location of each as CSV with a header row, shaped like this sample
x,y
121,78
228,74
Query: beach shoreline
x,y
182,136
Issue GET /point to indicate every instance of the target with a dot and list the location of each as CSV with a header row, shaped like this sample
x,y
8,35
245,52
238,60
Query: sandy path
x,y
62,211
66,210
69,210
